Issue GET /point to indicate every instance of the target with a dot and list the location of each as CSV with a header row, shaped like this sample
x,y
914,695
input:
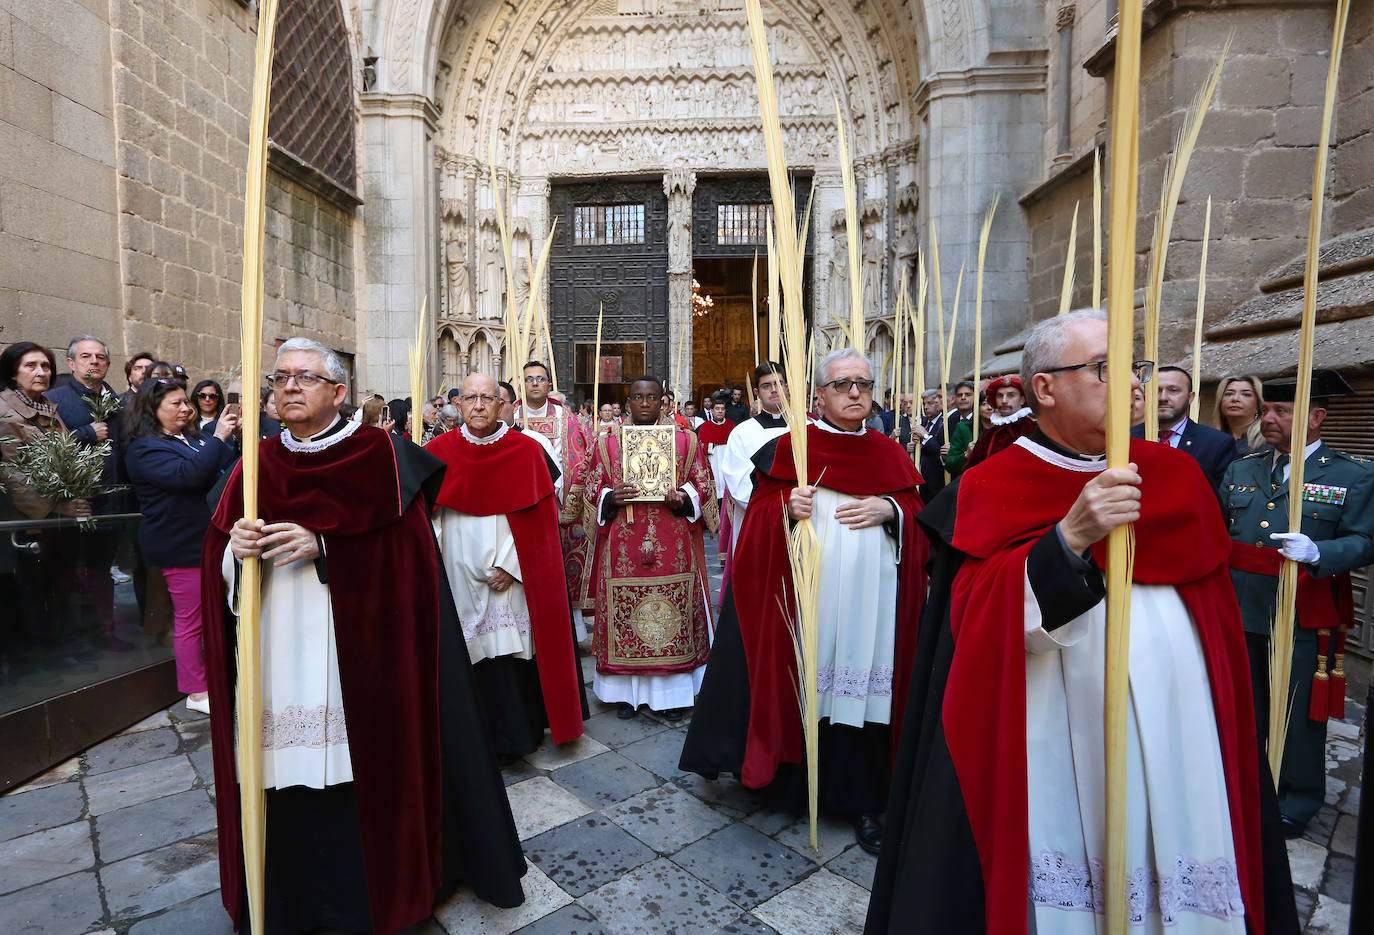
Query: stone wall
x,y
59,270
183,77
1352,181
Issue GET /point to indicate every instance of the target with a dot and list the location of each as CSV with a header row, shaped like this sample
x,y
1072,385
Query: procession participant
x,y
996,818
863,502
929,435
1011,419
505,412
653,602
498,535
1213,449
714,434
382,788
606,423
736,473
736,406
670,407
572,449
960,420
1335,539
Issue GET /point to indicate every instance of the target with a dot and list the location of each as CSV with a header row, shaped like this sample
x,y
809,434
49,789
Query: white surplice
x,y
1180,854
737,467
858,611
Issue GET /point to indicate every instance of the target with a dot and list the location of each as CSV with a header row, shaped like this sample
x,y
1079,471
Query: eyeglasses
x,y
536,378
305,380
1143,369
207,396
644,397
844,386
483,398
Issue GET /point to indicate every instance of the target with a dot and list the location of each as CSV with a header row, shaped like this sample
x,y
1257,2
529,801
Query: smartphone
x,y
233,399
386,415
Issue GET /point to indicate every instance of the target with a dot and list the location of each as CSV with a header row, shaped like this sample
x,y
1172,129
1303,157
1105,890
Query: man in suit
x,y
1213,450
1335,539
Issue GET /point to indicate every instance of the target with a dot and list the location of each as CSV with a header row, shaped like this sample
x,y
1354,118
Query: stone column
x,y
678,185
400,217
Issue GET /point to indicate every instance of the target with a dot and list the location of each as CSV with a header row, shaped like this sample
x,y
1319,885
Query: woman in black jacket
x,y
172,467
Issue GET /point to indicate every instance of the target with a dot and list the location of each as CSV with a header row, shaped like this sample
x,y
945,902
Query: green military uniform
x,y
1338,515
960,443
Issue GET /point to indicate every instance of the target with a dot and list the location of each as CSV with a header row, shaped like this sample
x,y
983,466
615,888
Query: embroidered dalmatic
x,y
572,445
653,614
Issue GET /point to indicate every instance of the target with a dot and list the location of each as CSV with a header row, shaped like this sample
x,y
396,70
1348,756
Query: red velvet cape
x,y
999,438
386,637
870,464
510,476
715,433
1004,506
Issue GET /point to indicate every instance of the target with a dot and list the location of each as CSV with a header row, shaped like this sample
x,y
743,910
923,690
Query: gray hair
x,y
834,357
930,394
333,365
71,348
449,411
1046,344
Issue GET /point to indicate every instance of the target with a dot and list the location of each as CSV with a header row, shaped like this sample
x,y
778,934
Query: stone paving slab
x,y
549,757
658,753
133,785
660,896
131,749
128,831
540,804
203,915
666,818
58,907
570,920
856,865
605,779
46,855
833,835
586,854
745,865
34,810
613,732
822,904
156,880
464,912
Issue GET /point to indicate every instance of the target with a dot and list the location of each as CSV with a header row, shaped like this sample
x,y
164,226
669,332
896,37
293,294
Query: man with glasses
x,y
497,525
1011,419
861,498
653,601
995,821
374,753
572,447
1213,450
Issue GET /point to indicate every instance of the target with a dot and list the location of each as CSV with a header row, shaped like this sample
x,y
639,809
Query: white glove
x,y
1297,547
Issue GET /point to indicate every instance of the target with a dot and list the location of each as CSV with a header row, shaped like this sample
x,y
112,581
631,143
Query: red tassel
x,y
1320,706
1337,690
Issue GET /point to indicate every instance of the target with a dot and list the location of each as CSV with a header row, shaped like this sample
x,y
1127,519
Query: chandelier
x,y
701,302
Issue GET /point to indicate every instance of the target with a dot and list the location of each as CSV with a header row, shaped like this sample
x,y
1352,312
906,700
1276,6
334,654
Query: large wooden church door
x,y
609,252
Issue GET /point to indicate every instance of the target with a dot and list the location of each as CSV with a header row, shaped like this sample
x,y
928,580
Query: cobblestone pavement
x,y
121,839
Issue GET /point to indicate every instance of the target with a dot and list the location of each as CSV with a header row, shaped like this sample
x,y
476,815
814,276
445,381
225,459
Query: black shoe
x,y
1292,828
868,831
625,711
673,715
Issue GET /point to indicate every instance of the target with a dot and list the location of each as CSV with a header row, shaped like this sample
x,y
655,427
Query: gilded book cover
x,y
648,459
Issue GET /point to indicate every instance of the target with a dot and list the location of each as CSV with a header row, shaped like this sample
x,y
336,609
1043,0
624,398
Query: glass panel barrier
x,y
77,607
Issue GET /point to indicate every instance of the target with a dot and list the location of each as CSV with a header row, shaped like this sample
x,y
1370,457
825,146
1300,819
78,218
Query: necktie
x,y
1167,437
1276,476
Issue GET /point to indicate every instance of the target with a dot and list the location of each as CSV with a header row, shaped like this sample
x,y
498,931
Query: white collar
x,y
827,427
1050,456
491,439
539,413
714,422
1014,417
320,440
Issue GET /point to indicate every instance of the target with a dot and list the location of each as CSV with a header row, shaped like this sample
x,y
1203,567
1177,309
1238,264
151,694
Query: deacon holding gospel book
x,y
653,614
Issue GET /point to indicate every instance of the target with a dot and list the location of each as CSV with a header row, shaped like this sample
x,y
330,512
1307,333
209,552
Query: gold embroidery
x,y
655,622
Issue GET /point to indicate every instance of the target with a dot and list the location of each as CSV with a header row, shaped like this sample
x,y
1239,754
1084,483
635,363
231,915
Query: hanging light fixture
x,y
701,302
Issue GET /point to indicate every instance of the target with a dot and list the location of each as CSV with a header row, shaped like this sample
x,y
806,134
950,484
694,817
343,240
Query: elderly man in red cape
x,y
1011,419
996,822
382,788
498,533
864,503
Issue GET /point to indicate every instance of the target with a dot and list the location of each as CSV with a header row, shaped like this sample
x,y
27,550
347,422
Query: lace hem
x,y
850,682
501,616
1210,888
299,726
